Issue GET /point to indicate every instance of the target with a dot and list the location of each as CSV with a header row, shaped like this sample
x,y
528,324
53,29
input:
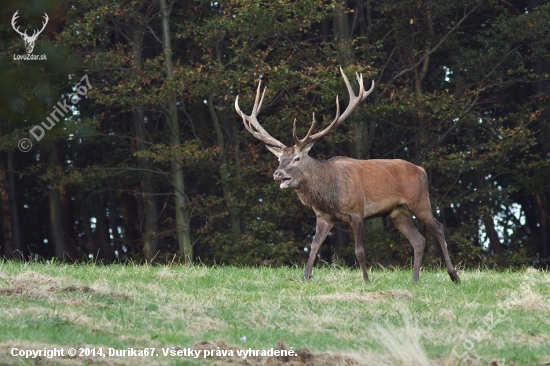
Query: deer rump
x,y
348,190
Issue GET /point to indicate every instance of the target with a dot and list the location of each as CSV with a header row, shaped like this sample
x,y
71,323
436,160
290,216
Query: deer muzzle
x,y
279,175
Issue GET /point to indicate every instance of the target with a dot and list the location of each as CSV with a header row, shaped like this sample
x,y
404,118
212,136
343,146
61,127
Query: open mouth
x,y
285,182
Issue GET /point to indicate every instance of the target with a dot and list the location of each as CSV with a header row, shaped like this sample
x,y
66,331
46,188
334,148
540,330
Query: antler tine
x,y
258,106
368,92
296,139
251,122
354,101
348,86
313,122
46,17
361,85
302,142
308,139
13,19
246,119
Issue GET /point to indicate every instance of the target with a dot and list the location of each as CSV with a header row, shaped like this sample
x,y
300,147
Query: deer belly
x,y
331,216
372,209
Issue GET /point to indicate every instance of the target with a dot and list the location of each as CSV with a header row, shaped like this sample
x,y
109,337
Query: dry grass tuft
x,y
526,299
367,296
446,313
402,345
533,270
80,289
36,285
165,273
31,284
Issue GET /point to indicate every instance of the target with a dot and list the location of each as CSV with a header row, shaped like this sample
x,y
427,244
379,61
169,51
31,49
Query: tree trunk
x,y
56,217
230,122
365,26
541,202
231,202
231,195
56,224
494,240
487,217
340,22
85,218
102,230
16,237
182,216
422,69
541,86
5,213
130,216
113,224
150,238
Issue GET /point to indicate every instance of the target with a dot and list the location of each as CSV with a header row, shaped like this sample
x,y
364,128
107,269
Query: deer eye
x,y
296,159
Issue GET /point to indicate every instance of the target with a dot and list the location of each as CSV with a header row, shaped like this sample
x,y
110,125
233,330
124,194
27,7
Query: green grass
x,y
490,316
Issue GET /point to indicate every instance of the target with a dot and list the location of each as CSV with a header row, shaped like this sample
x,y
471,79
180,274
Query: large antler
x,y
13,19
43,26
251,122
354,101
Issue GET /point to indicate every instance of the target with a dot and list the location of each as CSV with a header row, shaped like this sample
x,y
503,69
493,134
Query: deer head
x,y
293,161
29,40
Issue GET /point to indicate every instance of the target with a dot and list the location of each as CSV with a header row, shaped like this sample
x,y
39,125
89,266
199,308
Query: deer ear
x,y
307,147
277,151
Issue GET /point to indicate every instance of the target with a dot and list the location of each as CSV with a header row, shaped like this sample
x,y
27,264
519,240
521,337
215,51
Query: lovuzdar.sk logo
x,y
29,40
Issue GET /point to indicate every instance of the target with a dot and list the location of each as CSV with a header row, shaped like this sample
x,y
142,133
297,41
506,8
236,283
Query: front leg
x,y
321,230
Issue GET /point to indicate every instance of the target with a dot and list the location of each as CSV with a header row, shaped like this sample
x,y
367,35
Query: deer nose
x,y
277,175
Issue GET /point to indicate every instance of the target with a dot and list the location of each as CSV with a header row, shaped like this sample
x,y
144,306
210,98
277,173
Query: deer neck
x,y
319,186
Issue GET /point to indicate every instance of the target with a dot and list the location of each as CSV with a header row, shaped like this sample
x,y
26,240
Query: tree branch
x,y
428,53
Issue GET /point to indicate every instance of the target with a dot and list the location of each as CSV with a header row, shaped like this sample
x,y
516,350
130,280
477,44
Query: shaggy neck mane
x,y
319,186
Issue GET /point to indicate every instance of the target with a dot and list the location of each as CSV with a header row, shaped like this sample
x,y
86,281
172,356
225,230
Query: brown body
x,y
348,190
341,187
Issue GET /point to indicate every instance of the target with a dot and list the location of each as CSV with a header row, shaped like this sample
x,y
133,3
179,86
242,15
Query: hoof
x,y
454,277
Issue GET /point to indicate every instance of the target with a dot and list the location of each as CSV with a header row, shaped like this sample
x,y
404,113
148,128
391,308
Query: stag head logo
x,y
29,40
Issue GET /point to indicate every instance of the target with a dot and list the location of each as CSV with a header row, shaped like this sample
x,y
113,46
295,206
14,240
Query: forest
x,y
119,139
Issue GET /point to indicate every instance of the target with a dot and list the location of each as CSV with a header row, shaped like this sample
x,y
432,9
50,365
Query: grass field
x,y
498,318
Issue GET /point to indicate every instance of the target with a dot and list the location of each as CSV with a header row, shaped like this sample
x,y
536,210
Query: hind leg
x,y
436,228
404,223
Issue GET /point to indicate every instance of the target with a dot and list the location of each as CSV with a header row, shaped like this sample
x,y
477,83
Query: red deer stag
x,y
347,190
